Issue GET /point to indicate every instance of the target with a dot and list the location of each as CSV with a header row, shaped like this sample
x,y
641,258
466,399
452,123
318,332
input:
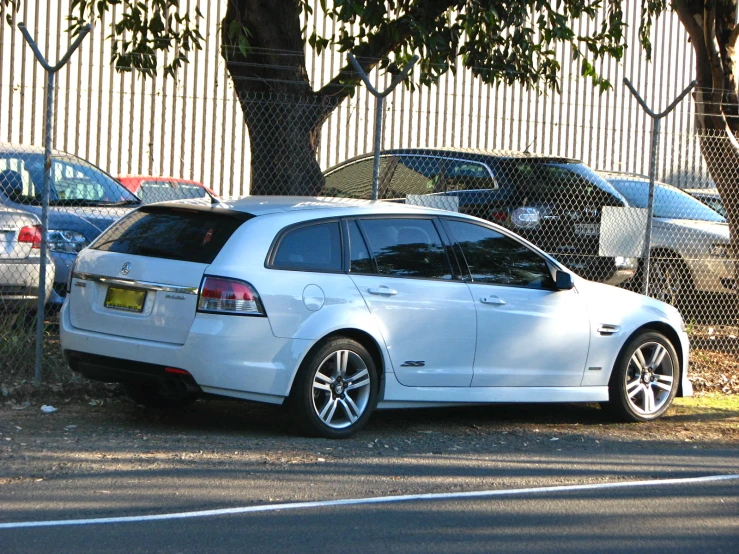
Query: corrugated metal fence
x,y
192,127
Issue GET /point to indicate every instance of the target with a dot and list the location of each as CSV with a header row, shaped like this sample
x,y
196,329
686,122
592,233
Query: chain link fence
x,y
592,219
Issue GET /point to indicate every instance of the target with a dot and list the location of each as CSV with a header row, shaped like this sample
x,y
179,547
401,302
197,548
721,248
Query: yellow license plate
x,y
129,300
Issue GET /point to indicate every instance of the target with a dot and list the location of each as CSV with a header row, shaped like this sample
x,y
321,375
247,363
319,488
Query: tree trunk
x,y
713,35
282,113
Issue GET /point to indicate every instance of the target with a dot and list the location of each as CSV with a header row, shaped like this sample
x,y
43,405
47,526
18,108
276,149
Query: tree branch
x,y
380,45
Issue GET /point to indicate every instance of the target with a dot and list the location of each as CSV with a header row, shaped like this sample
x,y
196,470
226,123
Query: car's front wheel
x,y
335,389
645,378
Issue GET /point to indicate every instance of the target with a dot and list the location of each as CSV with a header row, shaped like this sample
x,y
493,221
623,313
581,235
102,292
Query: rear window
x,y
171,233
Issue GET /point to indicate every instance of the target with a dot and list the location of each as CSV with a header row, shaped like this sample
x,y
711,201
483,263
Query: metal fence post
x,y
656,117
48,122
379,102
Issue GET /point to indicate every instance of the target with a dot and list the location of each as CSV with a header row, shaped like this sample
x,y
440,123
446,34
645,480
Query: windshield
x,y
669,202
74,182
564,182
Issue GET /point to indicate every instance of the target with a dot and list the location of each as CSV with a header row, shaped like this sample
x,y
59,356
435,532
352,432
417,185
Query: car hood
x,y
713,229
90,221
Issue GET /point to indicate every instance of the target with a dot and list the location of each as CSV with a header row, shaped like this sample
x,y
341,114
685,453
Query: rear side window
x,y
310,247
174,234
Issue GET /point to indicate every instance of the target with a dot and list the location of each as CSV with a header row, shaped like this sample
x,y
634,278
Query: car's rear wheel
x,y
335,389
645,378
152,396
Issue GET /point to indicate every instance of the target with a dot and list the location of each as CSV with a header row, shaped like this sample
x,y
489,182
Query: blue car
x,y
83,202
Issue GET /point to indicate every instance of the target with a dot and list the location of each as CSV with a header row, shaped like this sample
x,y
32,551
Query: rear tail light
x,y
71,275
229,296
31,234
501,217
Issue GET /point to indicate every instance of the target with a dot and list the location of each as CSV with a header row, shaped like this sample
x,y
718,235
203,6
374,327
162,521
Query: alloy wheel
x,y
341,389
650,378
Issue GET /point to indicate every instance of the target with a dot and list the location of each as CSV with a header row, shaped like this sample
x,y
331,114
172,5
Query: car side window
x,y
494,258
361,261
310,247
414,174
353,180
468,175
407,248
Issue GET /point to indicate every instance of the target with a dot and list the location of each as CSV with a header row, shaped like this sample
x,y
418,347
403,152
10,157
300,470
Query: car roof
x,y
635,178
262,205
464,153
11,148
712,191
158,178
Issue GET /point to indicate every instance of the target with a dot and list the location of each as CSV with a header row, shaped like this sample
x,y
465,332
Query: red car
x,y
160,189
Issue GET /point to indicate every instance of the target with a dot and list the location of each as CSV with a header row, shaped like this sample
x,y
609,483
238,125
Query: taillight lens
x,y
71,276
229,296
32,234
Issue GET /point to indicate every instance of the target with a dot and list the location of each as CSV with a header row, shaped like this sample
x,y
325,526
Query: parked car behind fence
x,y
83,201
556,203
689,243
20,260
162,189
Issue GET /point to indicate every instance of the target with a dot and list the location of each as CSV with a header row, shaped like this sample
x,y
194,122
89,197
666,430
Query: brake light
x,y
32,234
71,275
499,216
229,296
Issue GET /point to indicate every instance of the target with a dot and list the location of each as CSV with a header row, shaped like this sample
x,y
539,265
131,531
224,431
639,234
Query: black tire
x,y
670,280
337,403
638,391
153,397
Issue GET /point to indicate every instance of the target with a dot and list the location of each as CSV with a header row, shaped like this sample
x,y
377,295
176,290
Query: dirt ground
x,y
91,425
86,434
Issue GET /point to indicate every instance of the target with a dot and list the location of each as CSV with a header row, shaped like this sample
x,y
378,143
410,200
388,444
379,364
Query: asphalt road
x,y
682,517
116,461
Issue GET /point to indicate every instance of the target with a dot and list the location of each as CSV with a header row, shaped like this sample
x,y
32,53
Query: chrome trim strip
x,y
135,284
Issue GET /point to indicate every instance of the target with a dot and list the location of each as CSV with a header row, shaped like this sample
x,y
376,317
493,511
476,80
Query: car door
x,y
425,312
528,333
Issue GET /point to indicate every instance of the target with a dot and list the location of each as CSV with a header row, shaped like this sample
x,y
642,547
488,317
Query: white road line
x,y
371,500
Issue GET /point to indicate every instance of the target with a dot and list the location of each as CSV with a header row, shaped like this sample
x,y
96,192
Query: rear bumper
x,y
242,359
19,283
106,368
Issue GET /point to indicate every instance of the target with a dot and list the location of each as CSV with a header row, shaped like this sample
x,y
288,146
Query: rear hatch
x,y
140,278
19,233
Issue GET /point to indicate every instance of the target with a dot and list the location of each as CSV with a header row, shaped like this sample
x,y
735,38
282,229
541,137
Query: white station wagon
x,y
335,307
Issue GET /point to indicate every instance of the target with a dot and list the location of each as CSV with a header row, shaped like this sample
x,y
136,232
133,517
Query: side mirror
x,y
563,280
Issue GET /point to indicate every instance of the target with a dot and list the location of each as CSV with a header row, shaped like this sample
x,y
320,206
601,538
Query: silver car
x,y
20,242
689,243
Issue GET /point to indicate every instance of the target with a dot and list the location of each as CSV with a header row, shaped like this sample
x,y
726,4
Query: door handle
x,y
496,301
382,290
